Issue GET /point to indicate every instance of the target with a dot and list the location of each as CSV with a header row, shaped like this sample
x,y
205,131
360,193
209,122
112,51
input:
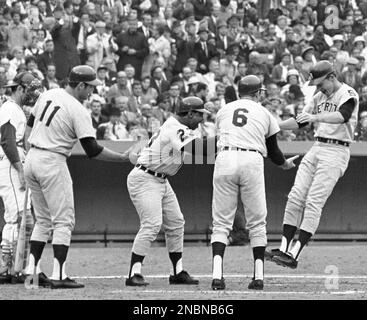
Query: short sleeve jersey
x,y
164,154
245,124
322,103
12,112
60,121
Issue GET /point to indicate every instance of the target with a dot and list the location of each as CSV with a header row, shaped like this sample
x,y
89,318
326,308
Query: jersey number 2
x,y
239,118
51,115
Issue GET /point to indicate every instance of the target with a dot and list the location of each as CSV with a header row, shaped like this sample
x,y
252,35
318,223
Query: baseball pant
x,y
13,199
318,173
157,206
239,171
50,182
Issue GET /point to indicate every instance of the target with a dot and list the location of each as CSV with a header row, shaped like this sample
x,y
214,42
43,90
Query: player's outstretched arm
x,y
97,152
276,155
292,124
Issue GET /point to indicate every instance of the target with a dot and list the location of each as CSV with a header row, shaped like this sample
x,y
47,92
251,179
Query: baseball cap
x,y
192,104
21,79
320,71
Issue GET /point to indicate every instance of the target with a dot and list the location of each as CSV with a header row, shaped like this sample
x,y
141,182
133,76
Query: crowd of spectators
x,y
149,54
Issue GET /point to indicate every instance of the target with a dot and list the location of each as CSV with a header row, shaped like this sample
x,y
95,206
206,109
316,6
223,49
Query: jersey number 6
x,y
239,118
51,115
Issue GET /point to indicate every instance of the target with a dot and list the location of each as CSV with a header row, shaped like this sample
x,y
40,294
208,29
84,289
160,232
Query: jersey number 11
x,y
51,115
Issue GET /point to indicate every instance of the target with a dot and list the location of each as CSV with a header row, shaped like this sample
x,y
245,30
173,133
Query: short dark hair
x,y
29,59
136,83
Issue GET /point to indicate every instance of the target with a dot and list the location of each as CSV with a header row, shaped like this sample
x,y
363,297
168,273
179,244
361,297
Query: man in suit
x,y
204,51
47,57
97,117
174,99
135,100
81,31
133,48
213,18
222,39
157,81
146,27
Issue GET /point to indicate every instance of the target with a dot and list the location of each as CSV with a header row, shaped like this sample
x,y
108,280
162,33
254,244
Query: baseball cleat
x,y
67,283
18,278
218,284
285,260
137,280
5,278
256,284
270,254
182,278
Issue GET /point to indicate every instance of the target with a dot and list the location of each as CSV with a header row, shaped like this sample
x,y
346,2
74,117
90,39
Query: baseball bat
x,y
21,243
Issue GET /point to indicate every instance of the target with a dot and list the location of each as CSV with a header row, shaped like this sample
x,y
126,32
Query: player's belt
x,y
238,149
153,173
327,140
35,147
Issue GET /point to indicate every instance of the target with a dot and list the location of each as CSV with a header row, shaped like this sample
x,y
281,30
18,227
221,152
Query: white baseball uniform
x,y
241,124
10,188
323,164
60,121
152,196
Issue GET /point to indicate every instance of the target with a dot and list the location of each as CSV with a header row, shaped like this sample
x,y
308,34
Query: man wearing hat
x,y
223,41
57,122
334,112
12,184
99,45
152,195
204,51
309,59
350,76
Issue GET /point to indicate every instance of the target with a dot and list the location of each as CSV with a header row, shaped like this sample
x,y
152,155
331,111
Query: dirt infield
x,y
325,271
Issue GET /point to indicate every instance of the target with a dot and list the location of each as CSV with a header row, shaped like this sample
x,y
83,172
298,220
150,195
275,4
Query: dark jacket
x,y
201,56
65,54
135,41
44,60
201,9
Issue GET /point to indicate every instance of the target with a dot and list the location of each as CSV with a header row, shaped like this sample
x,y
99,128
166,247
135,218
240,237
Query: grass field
x,y
325,271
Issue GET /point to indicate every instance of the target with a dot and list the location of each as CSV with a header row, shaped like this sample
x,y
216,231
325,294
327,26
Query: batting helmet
x,y
84,73
248,85
320,71
192,103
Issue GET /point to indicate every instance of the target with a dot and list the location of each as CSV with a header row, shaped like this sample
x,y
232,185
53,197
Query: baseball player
x,y
58,121
247,132
334,112
12,184
152,194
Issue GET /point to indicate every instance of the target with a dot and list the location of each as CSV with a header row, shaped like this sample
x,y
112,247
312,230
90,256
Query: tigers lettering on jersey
x,y
322,103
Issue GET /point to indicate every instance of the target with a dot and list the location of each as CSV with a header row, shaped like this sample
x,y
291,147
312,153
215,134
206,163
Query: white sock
x,y
178,267
136,268
30,268
283,245
217,267
56,271
259,269
294,251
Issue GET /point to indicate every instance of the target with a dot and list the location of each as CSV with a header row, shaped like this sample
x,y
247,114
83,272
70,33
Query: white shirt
x,y
12,112
60,121
163,152
245,124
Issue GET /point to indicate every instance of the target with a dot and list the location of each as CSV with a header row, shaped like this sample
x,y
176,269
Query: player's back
x,y
245,124
60,120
